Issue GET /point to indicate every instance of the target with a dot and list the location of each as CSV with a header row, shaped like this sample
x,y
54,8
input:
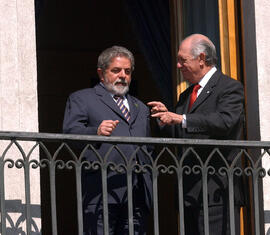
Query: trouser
x,y
219,220
118,220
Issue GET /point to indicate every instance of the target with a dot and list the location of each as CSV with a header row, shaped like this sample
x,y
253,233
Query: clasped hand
x,y
160,111
106,127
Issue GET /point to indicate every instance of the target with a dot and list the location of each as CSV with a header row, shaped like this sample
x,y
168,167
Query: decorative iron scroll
x,y
60,153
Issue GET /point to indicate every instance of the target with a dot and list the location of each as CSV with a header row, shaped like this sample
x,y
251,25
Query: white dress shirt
x,y
202,83
125,101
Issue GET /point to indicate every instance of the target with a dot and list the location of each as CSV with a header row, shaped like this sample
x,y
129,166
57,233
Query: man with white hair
x,y
211,108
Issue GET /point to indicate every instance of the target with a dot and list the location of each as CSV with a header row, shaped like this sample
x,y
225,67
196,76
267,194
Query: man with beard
x,y
108,110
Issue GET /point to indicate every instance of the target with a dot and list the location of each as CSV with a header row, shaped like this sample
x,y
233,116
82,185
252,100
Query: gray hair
x,y
105,58
207,47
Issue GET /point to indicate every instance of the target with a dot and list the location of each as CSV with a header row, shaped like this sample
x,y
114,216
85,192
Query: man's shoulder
x,y
83,92
225,80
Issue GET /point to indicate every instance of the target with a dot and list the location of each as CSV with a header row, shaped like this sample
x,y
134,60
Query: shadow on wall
x,y
267,220
16,218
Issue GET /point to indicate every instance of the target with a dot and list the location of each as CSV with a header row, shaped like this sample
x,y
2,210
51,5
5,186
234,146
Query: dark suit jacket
x,y
217,113
85,110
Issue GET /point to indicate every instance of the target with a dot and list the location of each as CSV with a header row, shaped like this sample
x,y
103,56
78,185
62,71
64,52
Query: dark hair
x,y
105,58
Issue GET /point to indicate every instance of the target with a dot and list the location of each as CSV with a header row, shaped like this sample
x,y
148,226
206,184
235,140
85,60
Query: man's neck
x,y
205,70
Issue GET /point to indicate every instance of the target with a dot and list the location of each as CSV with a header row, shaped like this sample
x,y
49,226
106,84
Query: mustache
x,y
123,82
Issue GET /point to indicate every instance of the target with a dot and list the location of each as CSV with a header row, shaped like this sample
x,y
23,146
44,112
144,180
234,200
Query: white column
x,y
262,9
18,102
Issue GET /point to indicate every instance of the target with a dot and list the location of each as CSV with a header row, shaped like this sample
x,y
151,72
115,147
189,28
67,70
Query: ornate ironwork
x,y
165,162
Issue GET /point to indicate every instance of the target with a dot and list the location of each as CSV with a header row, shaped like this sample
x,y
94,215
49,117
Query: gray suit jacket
x,y
85,110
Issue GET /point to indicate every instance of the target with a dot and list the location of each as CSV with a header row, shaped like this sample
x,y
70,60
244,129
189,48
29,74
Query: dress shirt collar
x,y
207,76
205,79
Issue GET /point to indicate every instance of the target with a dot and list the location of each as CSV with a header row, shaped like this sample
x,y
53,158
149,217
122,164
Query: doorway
x,y
70,36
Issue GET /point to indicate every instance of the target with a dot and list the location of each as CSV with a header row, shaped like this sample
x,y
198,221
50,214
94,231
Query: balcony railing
x,y
60,162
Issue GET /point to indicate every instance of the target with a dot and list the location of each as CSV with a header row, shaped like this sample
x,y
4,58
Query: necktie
x,y
193,95
119,101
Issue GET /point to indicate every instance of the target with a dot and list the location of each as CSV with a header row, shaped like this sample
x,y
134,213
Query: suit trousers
x,y
118,215
219,220
118,220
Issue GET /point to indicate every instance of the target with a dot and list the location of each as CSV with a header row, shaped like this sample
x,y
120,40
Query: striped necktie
x,y
119,101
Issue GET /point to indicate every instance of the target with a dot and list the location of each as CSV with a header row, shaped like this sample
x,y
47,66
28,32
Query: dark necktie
x,y
119,101
193,95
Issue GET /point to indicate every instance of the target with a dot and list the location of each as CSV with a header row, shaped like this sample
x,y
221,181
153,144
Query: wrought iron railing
x,y
52,155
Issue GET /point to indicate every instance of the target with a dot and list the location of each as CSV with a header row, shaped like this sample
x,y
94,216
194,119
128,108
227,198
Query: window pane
x,y
202,17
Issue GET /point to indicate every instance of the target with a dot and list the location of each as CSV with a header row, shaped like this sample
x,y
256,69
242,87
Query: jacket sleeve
x,y
76,117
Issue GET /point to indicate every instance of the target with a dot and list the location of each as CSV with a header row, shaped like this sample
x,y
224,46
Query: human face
x,y
189,66
117,77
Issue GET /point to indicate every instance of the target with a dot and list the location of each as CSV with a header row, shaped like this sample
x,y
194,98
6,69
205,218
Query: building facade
x,y
39,65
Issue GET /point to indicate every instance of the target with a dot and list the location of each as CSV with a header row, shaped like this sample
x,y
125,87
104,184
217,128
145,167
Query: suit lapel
x,y
107,99
186,104
207,90
133,108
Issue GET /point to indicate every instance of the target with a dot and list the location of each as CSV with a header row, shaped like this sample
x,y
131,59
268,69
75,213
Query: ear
x,y
100,74
202,59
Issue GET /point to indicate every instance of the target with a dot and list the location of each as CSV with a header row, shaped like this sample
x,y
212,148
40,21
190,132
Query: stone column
x,y
262,9
19,106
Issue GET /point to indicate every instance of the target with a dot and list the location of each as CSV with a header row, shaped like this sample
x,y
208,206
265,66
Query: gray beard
x,y
116,90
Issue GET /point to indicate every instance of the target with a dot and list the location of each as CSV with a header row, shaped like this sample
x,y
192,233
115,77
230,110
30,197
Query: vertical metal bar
x,y
256,200
2,196
205,200
181,201
53,197
155,201
130,201
27,196
105,199
231,202
79,198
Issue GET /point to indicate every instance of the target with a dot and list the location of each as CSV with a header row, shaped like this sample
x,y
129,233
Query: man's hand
x,y
106,127
165,117
168,118
157,107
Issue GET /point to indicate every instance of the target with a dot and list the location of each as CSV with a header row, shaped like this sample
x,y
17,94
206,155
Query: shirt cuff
x,y
184,121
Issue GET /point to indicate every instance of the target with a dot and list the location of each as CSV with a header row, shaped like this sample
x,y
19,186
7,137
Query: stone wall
x,y
18,104
262,9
